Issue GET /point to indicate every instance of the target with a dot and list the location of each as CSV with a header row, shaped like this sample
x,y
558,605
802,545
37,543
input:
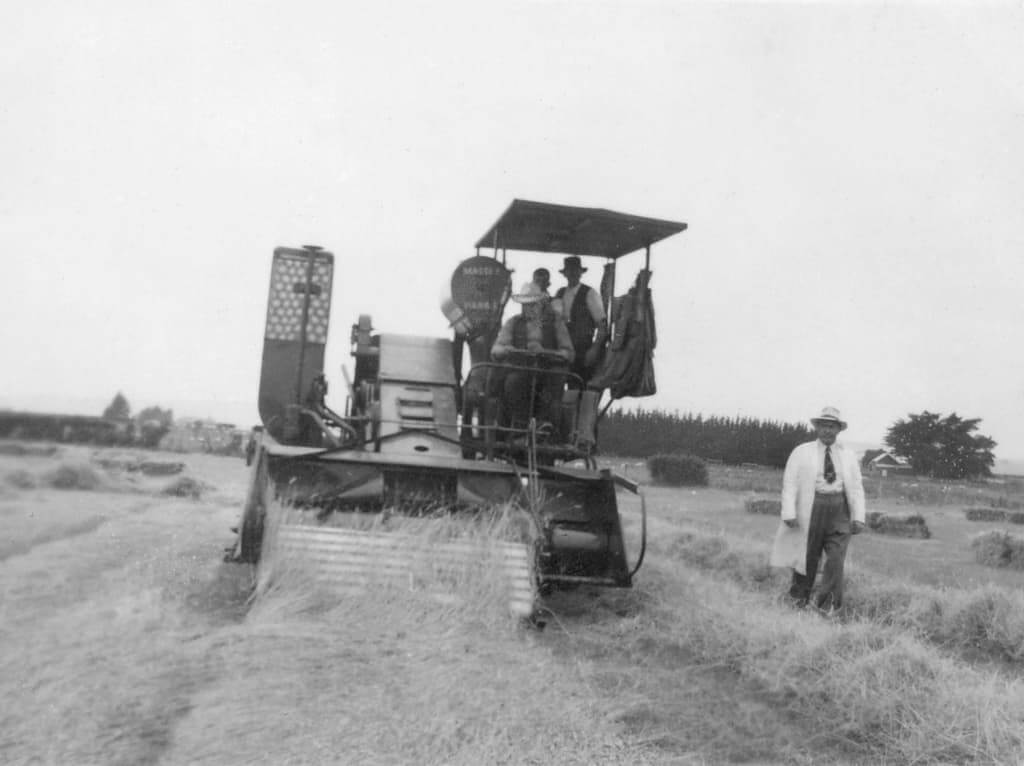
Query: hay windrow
x,y
386,673
877,691
985,621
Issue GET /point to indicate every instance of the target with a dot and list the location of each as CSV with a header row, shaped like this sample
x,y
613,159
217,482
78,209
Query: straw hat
x,y
829,415
530,292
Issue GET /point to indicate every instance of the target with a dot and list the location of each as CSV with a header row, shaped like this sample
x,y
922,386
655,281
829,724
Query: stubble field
x,y
125,640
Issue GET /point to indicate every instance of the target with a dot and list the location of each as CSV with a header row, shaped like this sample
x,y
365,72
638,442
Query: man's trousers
x,y
829,534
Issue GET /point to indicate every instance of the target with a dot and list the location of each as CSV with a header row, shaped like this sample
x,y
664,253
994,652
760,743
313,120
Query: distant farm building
x,y
883,461
204,436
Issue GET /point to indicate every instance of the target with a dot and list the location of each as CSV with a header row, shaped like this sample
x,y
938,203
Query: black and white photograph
x,y
529,382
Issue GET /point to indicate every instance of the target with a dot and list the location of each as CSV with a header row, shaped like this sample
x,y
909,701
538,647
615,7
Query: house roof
x,y
889,459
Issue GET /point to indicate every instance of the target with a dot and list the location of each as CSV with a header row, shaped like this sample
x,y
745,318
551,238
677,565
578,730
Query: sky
x,y
852,175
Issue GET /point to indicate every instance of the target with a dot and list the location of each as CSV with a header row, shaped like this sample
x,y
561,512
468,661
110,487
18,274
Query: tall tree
x,y
118,408
942,447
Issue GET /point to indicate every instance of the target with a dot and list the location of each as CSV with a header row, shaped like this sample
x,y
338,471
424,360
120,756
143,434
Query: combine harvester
x,y
415,439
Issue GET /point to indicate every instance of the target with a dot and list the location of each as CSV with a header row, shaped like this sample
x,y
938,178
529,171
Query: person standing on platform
x,y
581,307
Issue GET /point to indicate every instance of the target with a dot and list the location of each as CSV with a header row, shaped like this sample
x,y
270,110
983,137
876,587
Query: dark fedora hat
x,y
572,261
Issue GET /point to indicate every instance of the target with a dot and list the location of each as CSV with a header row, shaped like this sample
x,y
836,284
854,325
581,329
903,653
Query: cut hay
x,y
714,553
479,563
877,692
21,479
184,486
987,620
899,526
998,549
768,506
73,476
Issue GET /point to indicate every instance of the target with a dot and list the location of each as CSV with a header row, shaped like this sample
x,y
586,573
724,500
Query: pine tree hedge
x,y
734,441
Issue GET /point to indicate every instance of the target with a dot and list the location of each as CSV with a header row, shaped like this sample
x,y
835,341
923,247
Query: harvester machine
x,y
418,439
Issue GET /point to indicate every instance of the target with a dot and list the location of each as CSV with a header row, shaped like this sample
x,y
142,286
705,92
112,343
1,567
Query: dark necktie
x,y
830,469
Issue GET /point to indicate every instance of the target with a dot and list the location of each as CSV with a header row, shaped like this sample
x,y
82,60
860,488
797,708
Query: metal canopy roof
x,y
546,228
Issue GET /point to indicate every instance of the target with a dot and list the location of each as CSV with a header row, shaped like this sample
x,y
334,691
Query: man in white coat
x,y
822,505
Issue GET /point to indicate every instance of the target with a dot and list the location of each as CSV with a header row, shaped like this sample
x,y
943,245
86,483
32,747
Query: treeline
x,y
642,433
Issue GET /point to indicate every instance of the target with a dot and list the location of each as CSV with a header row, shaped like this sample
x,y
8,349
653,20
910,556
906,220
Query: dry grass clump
x,y
73,476
998,548
988,621
913,525
714,553
875,690
184,486
21,479
769,506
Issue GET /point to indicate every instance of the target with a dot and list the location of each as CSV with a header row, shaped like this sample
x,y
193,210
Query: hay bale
x,y
899,526
117,463
73,476
160,468
998,548
22,479
764,505
184,486
678,470
987,514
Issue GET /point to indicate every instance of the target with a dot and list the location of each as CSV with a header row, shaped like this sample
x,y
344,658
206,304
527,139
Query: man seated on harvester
x,y
536,345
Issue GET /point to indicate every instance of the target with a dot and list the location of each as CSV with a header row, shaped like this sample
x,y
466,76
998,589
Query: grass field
x,y
124,640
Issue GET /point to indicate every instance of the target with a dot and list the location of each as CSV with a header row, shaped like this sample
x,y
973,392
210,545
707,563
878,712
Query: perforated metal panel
x,y
287,292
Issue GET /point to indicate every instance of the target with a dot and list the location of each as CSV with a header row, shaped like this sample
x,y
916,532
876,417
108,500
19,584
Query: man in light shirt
x,y
581,307
537,342
822,505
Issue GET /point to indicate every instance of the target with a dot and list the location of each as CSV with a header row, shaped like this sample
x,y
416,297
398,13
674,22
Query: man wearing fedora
x,y
822,505
581,307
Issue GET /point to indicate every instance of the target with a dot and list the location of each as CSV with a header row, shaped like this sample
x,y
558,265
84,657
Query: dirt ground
x,y
125,640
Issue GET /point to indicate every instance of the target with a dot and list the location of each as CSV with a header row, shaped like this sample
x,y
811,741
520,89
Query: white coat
x,y
790,547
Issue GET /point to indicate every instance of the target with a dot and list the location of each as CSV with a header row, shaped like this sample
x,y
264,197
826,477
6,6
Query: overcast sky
x,y
852,175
